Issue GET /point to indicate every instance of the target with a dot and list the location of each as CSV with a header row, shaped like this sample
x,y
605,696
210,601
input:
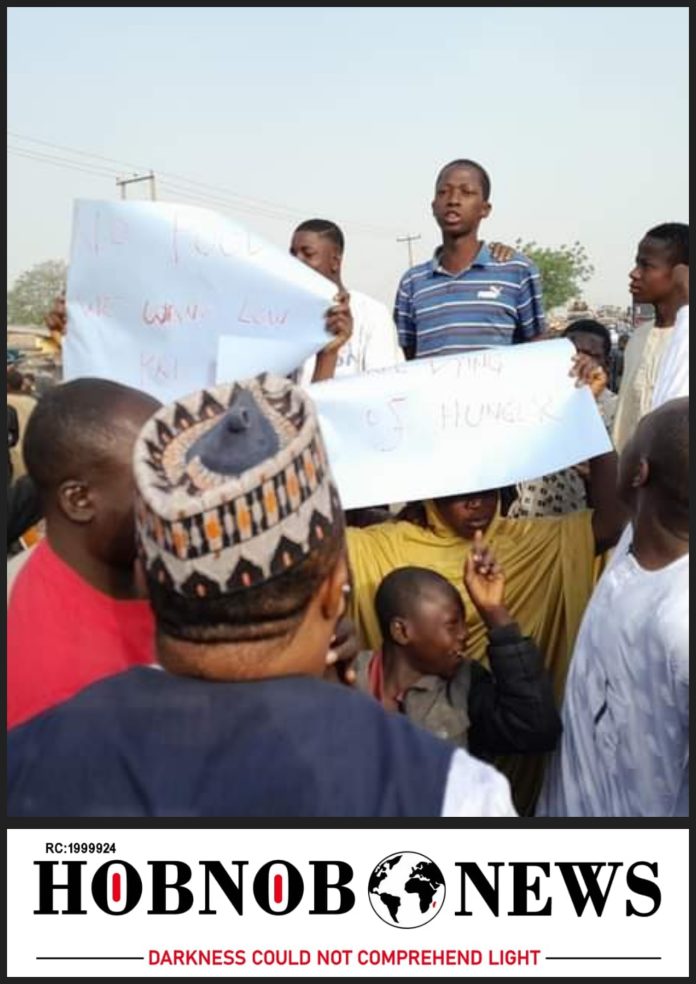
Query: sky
x,y
273,115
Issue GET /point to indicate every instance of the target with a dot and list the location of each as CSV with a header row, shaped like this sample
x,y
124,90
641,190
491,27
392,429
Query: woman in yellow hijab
x,y
549,565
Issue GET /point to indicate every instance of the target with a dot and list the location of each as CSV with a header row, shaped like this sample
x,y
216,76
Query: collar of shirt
x,y
482,259
375,675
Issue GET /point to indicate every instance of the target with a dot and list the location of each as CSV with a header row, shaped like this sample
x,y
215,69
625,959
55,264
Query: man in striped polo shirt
x,y
465,298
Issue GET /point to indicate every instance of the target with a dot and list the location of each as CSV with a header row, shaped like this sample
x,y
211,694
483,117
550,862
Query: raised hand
x,y
339,322
588,372
484,580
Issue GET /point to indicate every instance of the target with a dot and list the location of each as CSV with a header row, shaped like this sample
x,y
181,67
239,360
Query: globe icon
x,y
406,890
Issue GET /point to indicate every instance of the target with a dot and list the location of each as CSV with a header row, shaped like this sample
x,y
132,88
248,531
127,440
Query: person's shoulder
x,y
15,565
417,272
569,528
33,569
389,530
682,319
351,710
518,262
668,622
90,707
21,399
672,603
363,305
476,789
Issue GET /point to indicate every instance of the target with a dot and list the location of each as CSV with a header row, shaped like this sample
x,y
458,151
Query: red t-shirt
x,y
63,634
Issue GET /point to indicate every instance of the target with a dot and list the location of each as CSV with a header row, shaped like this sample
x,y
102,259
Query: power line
x,y
179,191
262,206
62,162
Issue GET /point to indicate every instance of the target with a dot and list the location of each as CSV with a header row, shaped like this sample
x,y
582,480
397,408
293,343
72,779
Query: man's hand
x,y
339,322
57,318
588,372
485,581
344,649
500,252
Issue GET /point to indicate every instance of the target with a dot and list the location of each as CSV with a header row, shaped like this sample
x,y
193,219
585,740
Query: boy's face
x,y
437,633
652,279
317,252
459,205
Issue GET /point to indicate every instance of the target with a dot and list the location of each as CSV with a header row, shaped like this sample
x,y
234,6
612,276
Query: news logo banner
x,y
349,903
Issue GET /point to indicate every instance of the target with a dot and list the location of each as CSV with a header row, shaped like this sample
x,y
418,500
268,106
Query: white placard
x,y
462,423
153,287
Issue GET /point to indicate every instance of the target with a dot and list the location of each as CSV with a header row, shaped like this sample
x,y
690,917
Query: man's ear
x,y
75,500
334,590
398,630
641,474
336,258
486,210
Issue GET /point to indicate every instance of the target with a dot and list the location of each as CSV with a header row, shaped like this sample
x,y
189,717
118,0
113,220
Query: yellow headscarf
x,y
549,567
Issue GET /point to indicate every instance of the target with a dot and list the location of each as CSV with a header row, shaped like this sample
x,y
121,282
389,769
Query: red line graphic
x,y
278,889
116,887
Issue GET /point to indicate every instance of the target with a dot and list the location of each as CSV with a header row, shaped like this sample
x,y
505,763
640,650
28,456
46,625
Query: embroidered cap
x,y
233,487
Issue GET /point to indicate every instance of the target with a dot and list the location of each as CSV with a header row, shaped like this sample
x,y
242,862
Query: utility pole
x,y
408,240
122,182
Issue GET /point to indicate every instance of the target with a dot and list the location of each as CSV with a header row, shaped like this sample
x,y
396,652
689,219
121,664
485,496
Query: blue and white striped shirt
x,y
489,303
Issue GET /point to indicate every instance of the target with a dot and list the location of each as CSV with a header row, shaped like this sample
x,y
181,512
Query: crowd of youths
x,y
204,632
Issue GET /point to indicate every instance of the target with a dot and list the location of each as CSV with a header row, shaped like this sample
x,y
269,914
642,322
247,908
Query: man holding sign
x,y
319,244
167,298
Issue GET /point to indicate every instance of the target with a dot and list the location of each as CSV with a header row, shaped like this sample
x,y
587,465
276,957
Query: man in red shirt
x,y
74,616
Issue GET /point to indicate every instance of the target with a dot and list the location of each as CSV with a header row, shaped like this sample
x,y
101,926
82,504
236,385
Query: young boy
x,y
422,670
656,280
319,243
465,297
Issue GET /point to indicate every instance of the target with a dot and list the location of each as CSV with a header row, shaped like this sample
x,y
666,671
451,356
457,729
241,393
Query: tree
x,y
33,292
562,270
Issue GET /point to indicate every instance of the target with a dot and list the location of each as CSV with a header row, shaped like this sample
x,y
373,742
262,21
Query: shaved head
x,y
79,426
663,439
655,462
402,590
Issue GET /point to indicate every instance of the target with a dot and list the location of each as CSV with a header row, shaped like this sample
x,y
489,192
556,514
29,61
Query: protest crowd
x,y
200,628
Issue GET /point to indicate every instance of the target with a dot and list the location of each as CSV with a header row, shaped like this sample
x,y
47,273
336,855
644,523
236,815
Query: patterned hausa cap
x,y
233,487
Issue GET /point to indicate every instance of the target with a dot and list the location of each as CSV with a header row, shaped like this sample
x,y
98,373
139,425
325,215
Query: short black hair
x,y
591,327
400,591
15,380
674,236
73,426
482,173
270,610
324,227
